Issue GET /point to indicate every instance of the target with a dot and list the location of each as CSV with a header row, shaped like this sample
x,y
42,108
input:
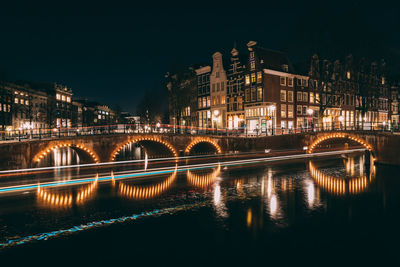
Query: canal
x,y
331,210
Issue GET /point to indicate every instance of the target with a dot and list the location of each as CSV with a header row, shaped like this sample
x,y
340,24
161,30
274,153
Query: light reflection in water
x,y
203,180
146,191
343,185
64,199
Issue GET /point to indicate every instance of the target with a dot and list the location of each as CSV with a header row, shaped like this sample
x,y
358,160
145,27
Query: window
x,y
383,80
298,82
16,92
199,100
290,111
253,78
290,82
247,79
283,80
290,96
304,82
63,97
217,87
252,65
16,101
58,96
222,99
213,87
22,101
253,94
251,55
259,94
283,124
311,97
247,95
304,110
285,67
317,97
222,86
305,96
298,110
259,77
204,102
217,74
299,96
348,75
26,102
283,95
208,101
68,99
283,110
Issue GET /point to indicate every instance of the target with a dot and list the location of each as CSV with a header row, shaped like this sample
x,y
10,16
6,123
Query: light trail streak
x,y
160,171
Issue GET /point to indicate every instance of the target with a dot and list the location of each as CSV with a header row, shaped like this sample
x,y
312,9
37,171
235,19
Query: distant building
x,y
218,81
235,92
203,97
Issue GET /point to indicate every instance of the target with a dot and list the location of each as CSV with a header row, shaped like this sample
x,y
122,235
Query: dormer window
x,y
285,68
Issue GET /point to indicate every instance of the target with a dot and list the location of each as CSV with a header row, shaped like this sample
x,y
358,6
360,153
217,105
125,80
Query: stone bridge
x,y
385,147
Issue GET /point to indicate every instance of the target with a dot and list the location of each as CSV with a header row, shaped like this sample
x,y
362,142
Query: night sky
x,y
114,53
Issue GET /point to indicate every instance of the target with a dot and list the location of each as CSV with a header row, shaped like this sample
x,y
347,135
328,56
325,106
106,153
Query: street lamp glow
x,y
158,125
216,113
272,107
310,111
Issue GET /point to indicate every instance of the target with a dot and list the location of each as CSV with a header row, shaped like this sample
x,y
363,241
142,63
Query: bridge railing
x,y
55,133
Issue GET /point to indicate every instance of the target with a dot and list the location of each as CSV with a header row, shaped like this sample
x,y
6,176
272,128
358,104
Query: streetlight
x,y
272,109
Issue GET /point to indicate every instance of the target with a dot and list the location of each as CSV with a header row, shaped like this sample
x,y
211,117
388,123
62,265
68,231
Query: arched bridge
x,y
104,148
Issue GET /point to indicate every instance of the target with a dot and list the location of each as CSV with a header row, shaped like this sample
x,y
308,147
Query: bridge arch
x,y
79,148
203,180
325,137
155,139
203,140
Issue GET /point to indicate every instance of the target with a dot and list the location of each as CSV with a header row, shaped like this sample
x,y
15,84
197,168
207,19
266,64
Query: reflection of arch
x,y
147,191
47,150
203,140
143,138
205,180
339,135
337,185
65,200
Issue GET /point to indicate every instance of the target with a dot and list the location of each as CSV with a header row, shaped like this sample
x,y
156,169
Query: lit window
x,y
290,111
16,92
283,111
58,97
253,78
383,80
208,101
316,97
68,99
259,77
247,79
26,102
199,100
63,97
348,75
290,96
285,67
290,82
283,80
283,95
204,102
16,101
99,116
223,100
311,97
22,101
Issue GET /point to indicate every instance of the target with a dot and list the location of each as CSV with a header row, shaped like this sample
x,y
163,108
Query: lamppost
x,y
272,109
310,112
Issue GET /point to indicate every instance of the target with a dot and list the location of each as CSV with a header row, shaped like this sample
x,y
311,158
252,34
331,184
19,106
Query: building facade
x,y
203,97
218,81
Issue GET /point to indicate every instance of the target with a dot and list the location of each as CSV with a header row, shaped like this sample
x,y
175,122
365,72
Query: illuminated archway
x,y
147,191
203,140
338,185
203,180
339,136
143,138
83,148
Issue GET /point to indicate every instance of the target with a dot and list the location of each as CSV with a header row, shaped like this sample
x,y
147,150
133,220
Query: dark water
x,y
325,212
